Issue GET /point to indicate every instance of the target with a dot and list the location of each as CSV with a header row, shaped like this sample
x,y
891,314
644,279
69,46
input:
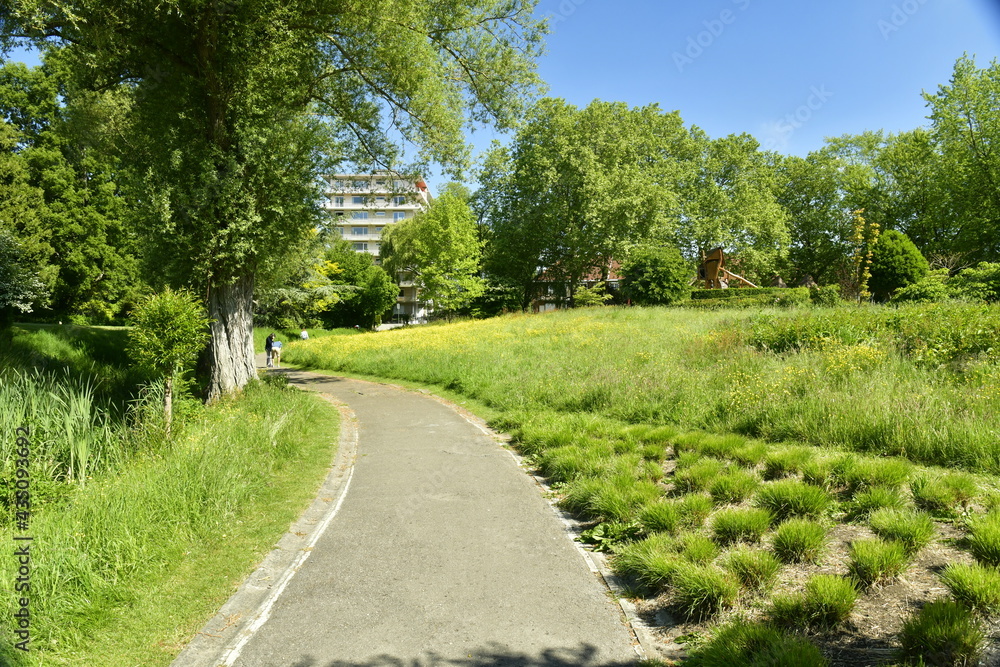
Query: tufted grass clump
x,y
695,508
984,539
975,585
652,561
740,525
943,495
942,633
755,569
867,473
697,476
661,516
750,455
826,602
876,561
865,502
755,645
617,498
818,472
912,529
734,487
701,591
799,540
791,498
785,462
696,548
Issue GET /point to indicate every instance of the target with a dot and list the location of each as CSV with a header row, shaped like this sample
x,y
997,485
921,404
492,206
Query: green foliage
x,y
735,525
696,548
440,249
944,494
661,516
890,473
943,633
19,288
168,331
799,540
755,645
826,602
595,295
698,476
656,276
975,585
791,498
896,263
755,569
876,561
606,535
931,289
979,282
701,591
827,296
784,462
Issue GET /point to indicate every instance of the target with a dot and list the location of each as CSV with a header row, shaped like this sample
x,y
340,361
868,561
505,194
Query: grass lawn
x,y
810,472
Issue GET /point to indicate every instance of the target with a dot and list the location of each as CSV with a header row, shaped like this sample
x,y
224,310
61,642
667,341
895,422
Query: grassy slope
x,y
130,566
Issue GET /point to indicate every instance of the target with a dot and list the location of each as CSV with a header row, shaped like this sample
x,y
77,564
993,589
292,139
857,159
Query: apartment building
x,y
361,206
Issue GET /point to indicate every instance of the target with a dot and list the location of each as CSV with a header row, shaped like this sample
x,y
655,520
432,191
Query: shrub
x,y
979,282
874,561
798,540
788,498
755,645
696,548
975,585
826,602
932,289
661,516
827,296
734,525
896,263
656,276
701,591
652,561
984,539
755,569
872,500
942,633
734,487
911,529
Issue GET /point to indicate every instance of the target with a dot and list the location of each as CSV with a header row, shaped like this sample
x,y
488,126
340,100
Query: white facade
x,y
363,205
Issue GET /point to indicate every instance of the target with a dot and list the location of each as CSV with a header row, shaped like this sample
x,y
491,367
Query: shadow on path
x,y
584,655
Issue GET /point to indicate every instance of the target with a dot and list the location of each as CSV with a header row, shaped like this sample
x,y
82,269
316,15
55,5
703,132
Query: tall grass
x,y
123,532
861,379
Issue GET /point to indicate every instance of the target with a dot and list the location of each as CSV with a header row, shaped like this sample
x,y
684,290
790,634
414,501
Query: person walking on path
x,y
269,349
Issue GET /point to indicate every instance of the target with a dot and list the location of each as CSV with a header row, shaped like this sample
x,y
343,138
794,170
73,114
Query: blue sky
x,y
789,72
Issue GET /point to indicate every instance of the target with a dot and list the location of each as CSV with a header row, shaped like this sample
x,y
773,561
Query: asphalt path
x,y
441,551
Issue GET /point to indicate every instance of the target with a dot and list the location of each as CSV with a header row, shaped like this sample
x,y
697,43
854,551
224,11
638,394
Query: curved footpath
x,y
433,548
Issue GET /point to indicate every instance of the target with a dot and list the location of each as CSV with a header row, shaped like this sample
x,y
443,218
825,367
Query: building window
x,y
338,201
359,185
359,231
339,185
380,201
398,215
379,214
343,231
360,247
399,201
357,200
378,230
360,215
380,183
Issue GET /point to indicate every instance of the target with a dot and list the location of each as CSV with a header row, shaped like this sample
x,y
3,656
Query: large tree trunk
x,y
231,349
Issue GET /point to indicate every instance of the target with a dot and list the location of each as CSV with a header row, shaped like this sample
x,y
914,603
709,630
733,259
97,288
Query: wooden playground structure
x,y
714,274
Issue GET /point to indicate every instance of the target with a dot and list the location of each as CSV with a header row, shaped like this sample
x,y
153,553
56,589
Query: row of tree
x,y
180,143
